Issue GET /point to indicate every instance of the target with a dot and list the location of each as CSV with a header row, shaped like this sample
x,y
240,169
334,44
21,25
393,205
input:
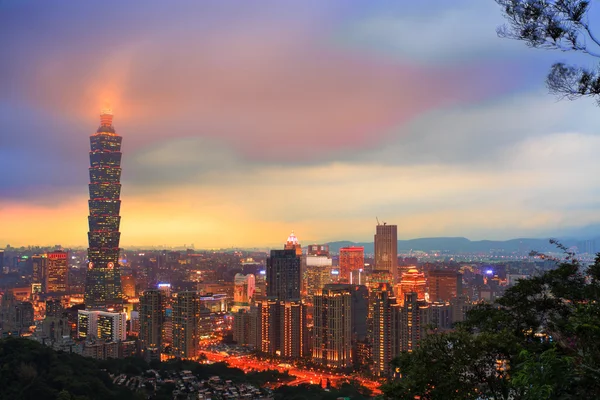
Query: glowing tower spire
x,y
103,280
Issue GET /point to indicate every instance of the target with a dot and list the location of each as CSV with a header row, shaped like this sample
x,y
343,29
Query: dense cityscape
x,y
401,316
322,315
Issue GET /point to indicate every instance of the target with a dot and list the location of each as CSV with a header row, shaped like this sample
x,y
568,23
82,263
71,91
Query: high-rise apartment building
x,y
151,316
351,259
186,322
383,336
444,285
332,326
103,280
386,249
283,275
56,277
294,341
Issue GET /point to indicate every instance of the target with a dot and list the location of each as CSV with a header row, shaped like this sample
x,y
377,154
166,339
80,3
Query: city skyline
x,y
315,118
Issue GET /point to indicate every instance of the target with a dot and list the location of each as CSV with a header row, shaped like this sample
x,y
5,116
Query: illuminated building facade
x,y
386,249
332,327
128,286
412,281
293,244
39,264
444,285
101,325
56,278
243,291
151,316
351,259
318,250
383,336
318,273
186,321
103,281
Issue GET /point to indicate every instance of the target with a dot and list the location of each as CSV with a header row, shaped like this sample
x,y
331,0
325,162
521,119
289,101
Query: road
x,y
248,364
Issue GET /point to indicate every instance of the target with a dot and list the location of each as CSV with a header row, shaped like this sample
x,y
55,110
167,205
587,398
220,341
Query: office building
x,y
444,285
293,244
386,249
351,259
103,280
412,281
318,273
332,327
318,250
186,321
56,277
39,266
283,275
102,325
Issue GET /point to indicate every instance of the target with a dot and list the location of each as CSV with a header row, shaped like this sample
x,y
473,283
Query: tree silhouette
x,y
562,25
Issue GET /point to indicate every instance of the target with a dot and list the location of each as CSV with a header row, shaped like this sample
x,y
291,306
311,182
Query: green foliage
x,y
558,25
316,392
30,370
541,340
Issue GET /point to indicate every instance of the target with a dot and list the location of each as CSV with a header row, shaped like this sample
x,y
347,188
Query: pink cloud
x,y
270,92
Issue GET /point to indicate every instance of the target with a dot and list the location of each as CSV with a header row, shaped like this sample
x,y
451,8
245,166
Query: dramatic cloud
x,y
241,122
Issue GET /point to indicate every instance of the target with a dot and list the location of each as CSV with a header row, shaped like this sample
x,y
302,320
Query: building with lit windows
x,y
56,278
318,273
152,315
243,291
318,250
283,275
444,285
332,327
351,259
412,281
386,249
186,323
293,244
383,335
101,325
128,286
39,266
103,280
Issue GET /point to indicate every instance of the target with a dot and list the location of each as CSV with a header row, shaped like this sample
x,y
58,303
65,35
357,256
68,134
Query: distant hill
x,y
458,245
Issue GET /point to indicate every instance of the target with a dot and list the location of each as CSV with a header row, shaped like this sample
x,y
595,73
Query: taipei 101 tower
x,y
103,280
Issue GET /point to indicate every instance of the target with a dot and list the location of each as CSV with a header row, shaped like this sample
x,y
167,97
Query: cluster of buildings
x,y
351,315
342,311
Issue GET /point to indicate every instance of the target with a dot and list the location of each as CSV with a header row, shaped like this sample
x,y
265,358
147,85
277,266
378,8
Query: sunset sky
x,y
242,121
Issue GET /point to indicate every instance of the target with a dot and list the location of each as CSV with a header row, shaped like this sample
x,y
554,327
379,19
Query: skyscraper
x,y
283,275
151,322
39,266
103,280
412,281
332,329
386,249
186,318
57,273
383,336
351,259
293,244
444,285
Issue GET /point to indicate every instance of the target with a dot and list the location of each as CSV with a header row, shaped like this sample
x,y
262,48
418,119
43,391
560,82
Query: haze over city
x,y
241,122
